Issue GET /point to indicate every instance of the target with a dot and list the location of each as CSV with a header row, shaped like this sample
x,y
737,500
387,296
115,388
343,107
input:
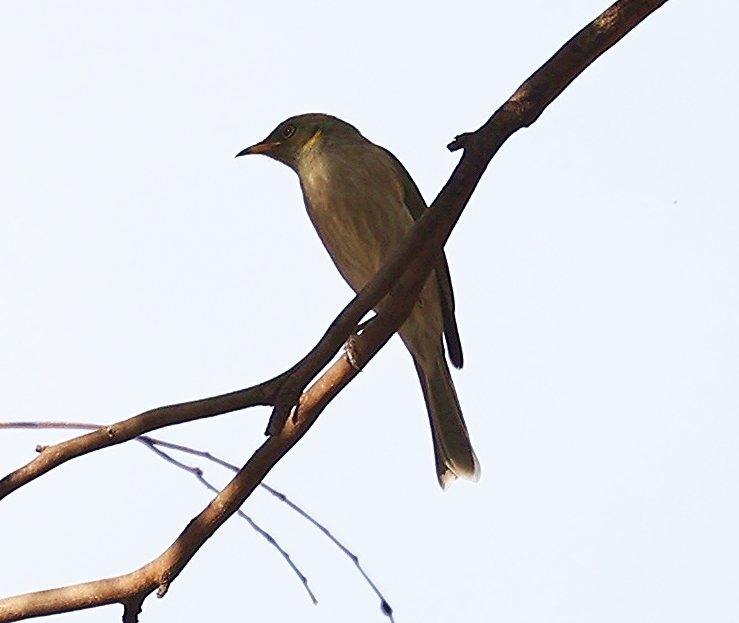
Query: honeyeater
x,y
362,202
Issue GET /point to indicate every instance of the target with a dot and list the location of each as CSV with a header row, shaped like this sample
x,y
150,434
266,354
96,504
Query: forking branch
x,y
163,449
400,279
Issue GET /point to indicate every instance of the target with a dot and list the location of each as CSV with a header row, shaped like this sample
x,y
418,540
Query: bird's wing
x,y
416,206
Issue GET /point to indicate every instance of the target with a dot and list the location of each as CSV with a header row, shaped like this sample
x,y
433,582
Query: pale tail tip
x,y
452,472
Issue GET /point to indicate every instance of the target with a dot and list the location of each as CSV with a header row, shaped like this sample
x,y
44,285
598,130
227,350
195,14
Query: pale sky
x,y
595,272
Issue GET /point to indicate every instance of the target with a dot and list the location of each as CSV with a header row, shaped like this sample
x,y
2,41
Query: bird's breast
x,y
355,202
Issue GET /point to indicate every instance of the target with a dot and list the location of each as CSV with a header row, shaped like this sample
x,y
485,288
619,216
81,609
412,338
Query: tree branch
x,y
429,234
131,588
400,279
125,430
156,445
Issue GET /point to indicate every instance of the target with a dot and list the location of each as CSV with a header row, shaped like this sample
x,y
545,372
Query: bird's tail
x,y
452,449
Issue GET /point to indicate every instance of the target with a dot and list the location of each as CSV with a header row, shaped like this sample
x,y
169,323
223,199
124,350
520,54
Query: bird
x,y
362,202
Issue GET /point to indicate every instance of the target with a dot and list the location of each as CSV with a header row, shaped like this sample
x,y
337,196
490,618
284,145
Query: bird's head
x,y
297,137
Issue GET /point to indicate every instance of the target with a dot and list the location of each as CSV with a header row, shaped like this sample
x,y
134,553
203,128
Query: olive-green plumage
x,y
362,202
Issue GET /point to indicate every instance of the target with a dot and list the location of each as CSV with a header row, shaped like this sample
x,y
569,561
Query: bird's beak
x,y
259,148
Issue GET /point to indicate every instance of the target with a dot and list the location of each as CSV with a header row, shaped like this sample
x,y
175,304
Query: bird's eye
x,y
288,131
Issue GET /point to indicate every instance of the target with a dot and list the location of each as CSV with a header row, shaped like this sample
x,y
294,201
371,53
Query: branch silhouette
x,y
401,279
155,445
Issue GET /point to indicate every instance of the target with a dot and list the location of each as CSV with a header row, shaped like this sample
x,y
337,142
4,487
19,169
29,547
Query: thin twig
x,y
155,445
125,430
198,473
152,443
384,605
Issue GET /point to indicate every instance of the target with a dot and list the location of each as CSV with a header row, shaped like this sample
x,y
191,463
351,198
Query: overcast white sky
x,y
596,280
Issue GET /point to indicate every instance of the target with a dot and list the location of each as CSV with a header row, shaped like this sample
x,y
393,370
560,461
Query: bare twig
x,y
53,456
198,473
384,605
160,572
154,444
